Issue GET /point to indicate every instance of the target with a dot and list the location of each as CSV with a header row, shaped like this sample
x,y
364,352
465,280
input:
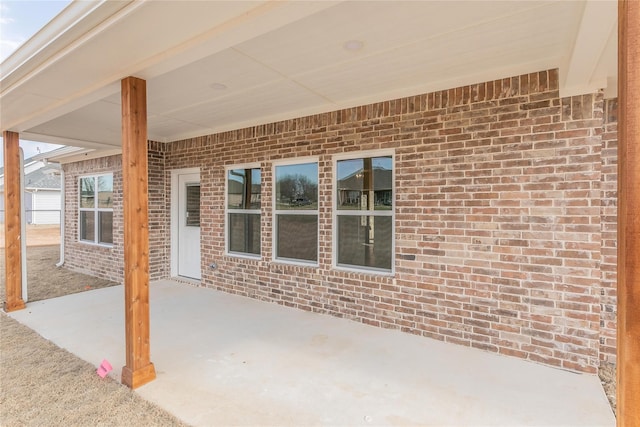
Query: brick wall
x,y
107,262
609,212
159,214
499,192
101,261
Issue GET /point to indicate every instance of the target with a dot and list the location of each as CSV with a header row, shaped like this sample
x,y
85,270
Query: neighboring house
x,y
353,187
42,196
445,170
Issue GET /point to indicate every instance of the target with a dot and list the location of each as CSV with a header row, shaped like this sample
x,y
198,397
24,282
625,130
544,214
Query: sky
x,y
19,20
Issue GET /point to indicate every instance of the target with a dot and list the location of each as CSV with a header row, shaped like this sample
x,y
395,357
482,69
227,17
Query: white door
x,y
189,225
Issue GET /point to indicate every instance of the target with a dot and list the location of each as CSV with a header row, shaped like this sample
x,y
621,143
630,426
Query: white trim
x,y
363,270
579,74
297,211
244,255
254,165
295,262
381,213
29,61
358,212
175,211
63,203
227,211
362,154
294,161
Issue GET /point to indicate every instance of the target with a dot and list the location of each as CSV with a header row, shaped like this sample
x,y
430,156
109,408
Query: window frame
x,y
275,212
228,211
96,211
355,155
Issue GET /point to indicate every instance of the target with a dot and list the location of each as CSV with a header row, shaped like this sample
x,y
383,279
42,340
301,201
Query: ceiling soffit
x,y
215,66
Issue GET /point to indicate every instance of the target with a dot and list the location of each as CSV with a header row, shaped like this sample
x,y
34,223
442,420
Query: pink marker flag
x,y
104,369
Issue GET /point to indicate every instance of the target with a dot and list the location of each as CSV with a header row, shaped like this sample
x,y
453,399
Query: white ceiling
x,y
212,66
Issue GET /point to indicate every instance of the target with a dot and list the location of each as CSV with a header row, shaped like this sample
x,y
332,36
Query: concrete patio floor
x,y
227,360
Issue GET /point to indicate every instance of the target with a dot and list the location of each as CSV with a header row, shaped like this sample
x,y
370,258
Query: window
x,y
243,211
364,213
193,205
296,212
96,209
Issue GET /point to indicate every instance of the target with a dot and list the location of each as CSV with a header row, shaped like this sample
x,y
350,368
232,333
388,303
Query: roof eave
x,y
69,25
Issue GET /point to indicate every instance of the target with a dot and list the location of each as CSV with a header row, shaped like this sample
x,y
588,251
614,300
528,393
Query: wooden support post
x,y
628,357
139,370
12,223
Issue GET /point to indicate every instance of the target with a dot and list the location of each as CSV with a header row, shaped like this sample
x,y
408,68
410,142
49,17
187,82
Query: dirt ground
x,y
45,280
38,235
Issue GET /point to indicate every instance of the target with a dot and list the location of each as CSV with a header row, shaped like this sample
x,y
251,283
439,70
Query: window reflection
x,y
365,184
243,189
297,186
364,203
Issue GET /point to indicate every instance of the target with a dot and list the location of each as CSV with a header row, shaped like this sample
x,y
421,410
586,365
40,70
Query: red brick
x,y
505,219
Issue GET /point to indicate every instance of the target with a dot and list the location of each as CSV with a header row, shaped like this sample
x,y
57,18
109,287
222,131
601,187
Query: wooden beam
x,y
139,370
628,352
12,223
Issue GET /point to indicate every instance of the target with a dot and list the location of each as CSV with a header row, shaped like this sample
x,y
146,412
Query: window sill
x,y
243,256
99,245
368,271
294,263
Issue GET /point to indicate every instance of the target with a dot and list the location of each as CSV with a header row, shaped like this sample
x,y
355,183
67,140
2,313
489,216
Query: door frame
x,y
175,212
